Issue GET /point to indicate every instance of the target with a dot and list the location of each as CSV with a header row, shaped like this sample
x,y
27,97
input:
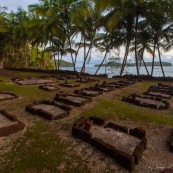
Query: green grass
x,y
116,109
40,149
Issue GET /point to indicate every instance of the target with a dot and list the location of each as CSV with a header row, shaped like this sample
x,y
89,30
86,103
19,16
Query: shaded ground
x,y
47,146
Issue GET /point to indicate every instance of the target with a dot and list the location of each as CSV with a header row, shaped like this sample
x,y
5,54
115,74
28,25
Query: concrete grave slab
x,y
144,101
157,94
34,81
9,124
170,141
161,88
48,87
125,145
71,99
7,96
49,110
87,80
87,93
70,85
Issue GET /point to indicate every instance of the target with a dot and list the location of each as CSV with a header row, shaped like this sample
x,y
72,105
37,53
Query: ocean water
x,y
130,70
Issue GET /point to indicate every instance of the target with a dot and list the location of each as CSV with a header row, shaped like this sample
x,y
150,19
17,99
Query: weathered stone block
x,y
81,134
98,121
144,141
138,152
5,131
103,147
126,160
138,132
80,122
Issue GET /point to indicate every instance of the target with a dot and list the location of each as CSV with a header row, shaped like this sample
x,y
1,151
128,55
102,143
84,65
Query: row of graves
x,y
125,145
64,102
157,97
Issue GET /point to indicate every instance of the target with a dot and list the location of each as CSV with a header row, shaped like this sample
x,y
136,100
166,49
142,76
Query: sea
x,y
168,70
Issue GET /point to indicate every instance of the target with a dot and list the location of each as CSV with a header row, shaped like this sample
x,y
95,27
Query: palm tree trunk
x,y
60,61
37,50
83,67
160,60
69,40
125,58
101,62
153,58
145,65
83,70
77,51
136,54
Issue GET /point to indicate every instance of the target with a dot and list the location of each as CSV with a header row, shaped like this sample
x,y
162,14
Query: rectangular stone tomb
x,y
157,94
110,86
74,100
147,101
48,111
34,81
170,142
163,86
70,85
7,96
103,87
87,93
126,82
168,170
87,80
48,87
125,145
116,85
165,89
9,124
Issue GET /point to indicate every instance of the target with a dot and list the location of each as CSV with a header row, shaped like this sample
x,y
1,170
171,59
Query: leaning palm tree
x,y
103,46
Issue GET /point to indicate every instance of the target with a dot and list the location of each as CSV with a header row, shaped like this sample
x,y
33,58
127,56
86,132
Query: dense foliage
x,y
51,29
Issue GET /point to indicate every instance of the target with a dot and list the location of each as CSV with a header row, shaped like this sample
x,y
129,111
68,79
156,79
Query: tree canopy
x,y
52,29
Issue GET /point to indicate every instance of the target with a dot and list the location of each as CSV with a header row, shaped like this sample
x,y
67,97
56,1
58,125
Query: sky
x,y
14,4
96,55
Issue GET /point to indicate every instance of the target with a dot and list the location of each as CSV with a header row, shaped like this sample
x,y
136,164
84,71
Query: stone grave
x,y
34,81
168,170
147,101
126,82
105,84
49,110
9,124
7,96
115,85
125,145
170,141
166,89
86,80
157,94
102,88
88,93
48,87
72,99
71,85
